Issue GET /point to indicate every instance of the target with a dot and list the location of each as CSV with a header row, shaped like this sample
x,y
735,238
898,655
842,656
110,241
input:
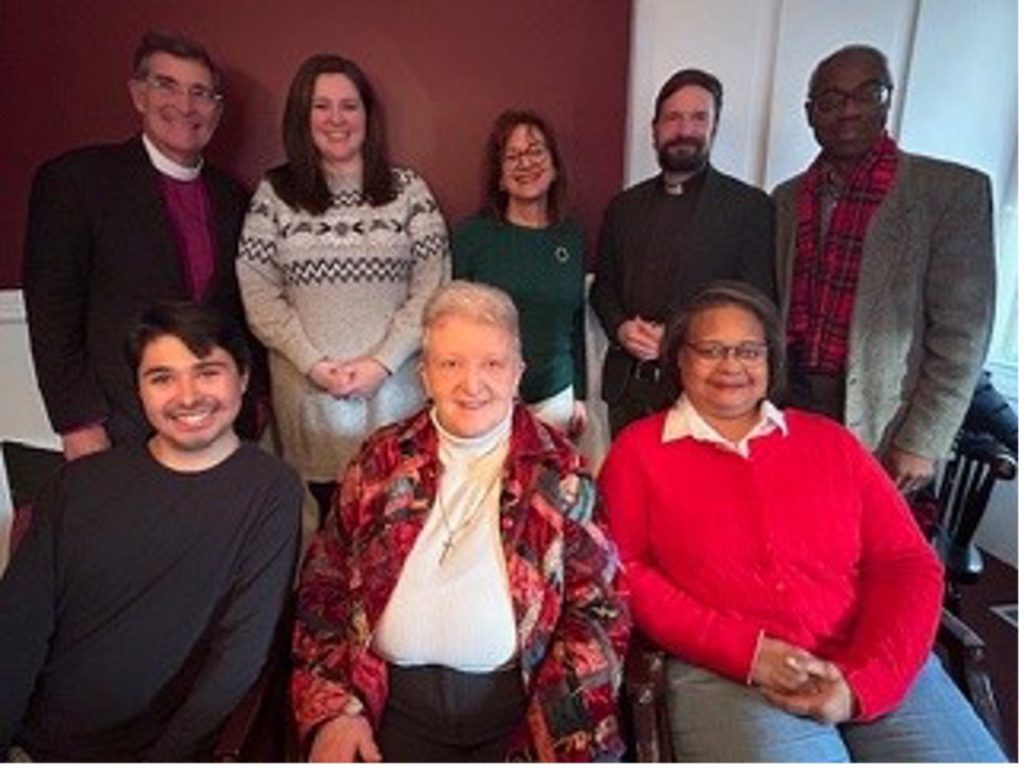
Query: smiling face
x,y
191,402
177,121
337,121
849,130
527,170
728,390
684,129
471,371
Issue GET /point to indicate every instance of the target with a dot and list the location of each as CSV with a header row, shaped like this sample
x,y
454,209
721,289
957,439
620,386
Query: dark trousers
x,y
434,713
639,399
825,395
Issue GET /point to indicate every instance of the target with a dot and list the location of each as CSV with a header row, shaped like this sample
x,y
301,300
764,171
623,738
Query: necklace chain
x,y
471,468
454,531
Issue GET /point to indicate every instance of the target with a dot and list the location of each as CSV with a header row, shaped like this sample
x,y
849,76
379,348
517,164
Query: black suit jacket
x,y
100,247
731,236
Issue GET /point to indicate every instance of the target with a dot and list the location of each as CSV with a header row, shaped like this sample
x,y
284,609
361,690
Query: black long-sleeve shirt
x,y
141,604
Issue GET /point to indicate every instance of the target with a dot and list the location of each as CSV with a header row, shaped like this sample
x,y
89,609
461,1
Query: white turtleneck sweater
x,y
457,611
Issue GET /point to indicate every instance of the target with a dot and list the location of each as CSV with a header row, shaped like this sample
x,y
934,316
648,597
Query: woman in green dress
x,y
522,243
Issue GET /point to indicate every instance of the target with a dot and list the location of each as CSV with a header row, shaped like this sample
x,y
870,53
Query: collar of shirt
x,y
683,421
689,186
168,167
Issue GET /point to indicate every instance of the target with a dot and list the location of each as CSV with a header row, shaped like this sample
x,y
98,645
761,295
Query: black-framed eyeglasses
x,y
871,94
746,352
167,86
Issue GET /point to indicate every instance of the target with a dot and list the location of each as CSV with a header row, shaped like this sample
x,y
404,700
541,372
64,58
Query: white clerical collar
x,y
461,449
674,189
683,421
169,167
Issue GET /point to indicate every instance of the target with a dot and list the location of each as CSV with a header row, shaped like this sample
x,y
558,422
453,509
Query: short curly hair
x,y
473,301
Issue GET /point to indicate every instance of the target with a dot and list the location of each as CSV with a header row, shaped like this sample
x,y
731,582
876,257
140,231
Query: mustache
x,y
684,141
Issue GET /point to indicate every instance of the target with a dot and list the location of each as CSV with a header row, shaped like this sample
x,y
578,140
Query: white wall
x,y
21,416
763,52
954,63
962,104
732,38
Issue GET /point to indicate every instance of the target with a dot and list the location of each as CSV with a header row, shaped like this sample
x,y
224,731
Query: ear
x,y
885,112
137,92
244,382
519,375
422,370
215,120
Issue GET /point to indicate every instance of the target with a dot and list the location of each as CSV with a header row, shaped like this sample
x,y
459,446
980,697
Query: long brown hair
x,y
504,125
300,182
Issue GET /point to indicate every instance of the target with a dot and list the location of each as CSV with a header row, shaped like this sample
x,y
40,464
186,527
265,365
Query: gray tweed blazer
x,y
923,311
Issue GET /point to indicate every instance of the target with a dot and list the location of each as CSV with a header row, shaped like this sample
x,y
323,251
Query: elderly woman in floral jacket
x,y
462,602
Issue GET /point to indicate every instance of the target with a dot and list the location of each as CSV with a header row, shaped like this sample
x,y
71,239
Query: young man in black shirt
x,y
142,602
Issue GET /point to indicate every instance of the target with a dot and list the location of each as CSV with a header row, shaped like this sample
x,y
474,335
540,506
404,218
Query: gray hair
x,y
174,44
475,302
867,51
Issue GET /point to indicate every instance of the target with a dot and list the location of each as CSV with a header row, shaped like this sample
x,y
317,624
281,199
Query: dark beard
x,y
679,163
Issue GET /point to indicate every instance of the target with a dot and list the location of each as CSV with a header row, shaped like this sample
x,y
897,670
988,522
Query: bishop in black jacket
x,y
114,228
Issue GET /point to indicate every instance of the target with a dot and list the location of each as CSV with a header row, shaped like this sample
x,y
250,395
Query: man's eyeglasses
x,y
533,154
168,87
868,95
747,352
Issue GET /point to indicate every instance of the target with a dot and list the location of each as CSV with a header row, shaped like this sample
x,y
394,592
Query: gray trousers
x,y
716,719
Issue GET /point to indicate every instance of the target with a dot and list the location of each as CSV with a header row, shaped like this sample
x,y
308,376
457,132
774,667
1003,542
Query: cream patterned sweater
x,y
349,282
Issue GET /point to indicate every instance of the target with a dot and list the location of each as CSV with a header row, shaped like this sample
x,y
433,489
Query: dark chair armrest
x,y
953,630
28,469
965,651
645,695
261,727
986,449
239,727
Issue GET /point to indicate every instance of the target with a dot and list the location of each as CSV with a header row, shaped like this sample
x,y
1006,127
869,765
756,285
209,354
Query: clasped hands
x,y
355,378
641,338
800,683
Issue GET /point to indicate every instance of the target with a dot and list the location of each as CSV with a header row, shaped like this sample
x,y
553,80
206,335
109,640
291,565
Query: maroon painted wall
x,y
443,68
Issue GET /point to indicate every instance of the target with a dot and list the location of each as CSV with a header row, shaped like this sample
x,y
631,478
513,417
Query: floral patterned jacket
x,y
570,611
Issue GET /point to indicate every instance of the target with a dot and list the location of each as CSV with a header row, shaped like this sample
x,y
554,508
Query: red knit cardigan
x,y
807,541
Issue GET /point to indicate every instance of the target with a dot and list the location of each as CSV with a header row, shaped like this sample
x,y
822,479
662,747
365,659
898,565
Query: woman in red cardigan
x,y
769,553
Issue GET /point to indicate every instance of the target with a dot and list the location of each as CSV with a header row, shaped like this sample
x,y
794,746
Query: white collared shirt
x,y
683,421
169,167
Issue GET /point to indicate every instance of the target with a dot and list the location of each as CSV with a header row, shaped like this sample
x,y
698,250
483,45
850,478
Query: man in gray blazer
x,y
886,272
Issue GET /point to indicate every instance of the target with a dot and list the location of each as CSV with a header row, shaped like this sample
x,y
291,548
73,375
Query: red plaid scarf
x,y
825,278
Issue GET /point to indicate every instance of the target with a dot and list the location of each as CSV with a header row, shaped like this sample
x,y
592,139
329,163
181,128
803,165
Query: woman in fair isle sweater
x,y
338,255
523,244
774,559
